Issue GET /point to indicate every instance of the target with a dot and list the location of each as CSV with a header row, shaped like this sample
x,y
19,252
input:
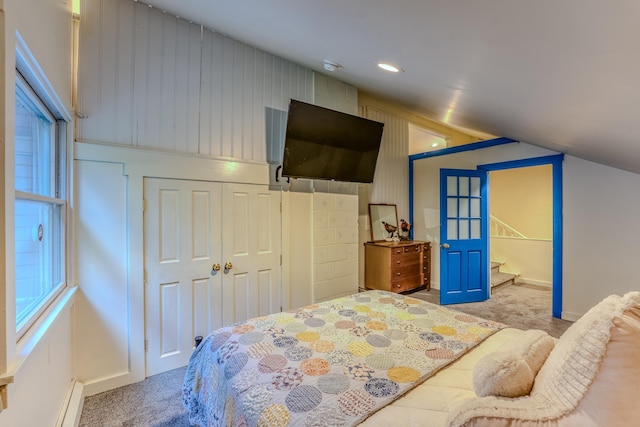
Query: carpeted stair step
x,y
501,279
495,267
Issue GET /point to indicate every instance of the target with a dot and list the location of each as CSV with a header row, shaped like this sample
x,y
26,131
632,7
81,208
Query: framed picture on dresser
x,y
383,221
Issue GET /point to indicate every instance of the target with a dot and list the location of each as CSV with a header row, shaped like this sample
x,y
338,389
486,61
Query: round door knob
x,y
215,267
227,267
445,246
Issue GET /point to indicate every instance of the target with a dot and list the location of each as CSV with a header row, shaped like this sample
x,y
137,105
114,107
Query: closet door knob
x,y
227,267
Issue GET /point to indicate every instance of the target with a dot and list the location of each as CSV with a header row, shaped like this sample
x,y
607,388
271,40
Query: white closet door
x,y
252,241
189,227
182,242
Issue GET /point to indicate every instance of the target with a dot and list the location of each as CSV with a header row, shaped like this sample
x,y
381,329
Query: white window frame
x,y
40,99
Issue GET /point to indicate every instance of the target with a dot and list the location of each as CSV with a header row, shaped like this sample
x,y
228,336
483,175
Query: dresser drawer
x,y
405,271
410,258
406,283
407,249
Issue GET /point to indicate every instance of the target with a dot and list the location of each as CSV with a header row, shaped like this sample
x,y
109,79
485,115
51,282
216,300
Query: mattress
x,y
429,404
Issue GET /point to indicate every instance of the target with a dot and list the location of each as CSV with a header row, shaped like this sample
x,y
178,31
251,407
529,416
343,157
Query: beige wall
x,y
523,199
454,137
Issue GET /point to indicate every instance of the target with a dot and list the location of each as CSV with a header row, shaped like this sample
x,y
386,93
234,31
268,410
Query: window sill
x,y
33,336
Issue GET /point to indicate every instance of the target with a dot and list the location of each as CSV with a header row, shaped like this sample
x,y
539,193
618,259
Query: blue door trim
x,y
554,160
556,163
444,152
462,148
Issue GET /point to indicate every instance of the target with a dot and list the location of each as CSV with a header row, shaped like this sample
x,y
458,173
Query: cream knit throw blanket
x,y
566,375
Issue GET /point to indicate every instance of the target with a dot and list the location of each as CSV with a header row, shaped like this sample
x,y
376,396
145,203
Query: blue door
x,y
464,242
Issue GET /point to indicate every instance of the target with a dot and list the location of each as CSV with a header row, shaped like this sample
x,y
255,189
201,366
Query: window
x,y
422,140
39,206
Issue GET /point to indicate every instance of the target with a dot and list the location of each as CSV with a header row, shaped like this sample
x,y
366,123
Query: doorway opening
x,y
555,162
521,227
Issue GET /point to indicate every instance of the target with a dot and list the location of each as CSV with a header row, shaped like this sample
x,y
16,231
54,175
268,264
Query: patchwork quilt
x,y
328,364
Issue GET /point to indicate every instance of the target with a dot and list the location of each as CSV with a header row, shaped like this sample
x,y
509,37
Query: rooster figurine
x,y
405,227
390,228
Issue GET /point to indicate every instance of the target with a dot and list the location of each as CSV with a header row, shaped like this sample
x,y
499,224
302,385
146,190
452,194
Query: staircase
x,y
499,278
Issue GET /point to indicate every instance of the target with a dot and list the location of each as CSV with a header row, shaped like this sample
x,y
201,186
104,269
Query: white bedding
x,y
429,404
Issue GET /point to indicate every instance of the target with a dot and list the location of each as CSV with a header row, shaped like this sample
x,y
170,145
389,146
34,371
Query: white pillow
x,y
511,371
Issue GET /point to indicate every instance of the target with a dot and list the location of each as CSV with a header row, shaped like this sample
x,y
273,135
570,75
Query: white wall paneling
x,y
101,273
119,172
149,79
391,179
297,249
45,372
335,245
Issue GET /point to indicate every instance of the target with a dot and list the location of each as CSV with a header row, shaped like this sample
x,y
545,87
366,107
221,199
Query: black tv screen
x,y
325,144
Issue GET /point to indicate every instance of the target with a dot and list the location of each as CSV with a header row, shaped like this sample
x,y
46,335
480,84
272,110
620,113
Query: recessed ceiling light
x,y
435,144
389,67
331,65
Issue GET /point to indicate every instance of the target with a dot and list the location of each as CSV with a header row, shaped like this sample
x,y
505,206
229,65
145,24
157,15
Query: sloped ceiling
x,y
560,74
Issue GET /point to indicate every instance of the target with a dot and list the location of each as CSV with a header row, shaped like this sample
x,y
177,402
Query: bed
x,y
378,359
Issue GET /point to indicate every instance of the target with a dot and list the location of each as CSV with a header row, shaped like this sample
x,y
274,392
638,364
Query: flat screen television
x,y
325,144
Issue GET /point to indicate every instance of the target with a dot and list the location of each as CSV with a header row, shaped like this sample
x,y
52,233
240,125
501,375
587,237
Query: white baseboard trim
x,y
534,282
572,317
74,406
108,383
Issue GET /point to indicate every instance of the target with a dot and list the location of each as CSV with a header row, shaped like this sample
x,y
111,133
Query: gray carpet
x,y
154,402
519,306
157,401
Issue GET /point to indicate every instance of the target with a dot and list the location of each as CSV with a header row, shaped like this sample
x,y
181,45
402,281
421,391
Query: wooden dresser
x,y
397,266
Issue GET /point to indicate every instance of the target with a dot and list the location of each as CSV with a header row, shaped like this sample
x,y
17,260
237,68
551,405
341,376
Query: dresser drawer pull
x,y
398,274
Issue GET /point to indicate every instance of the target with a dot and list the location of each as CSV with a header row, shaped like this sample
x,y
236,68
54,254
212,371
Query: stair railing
x,y
499,228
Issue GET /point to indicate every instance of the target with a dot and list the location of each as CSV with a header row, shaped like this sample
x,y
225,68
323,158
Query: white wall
x,y
42,360
601,238
601,233
42,385
427,188
239,83
149,79
156,84
144,78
